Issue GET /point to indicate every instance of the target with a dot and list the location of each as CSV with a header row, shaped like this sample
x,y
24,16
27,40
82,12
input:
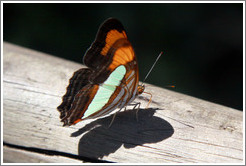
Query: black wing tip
x,y
111,19
65,121
112,23
63,117
62,111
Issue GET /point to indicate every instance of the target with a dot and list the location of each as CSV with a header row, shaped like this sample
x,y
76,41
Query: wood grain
x,y
176,128
22,156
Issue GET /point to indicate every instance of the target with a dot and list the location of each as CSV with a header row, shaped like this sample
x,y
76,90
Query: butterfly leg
x,y
149,99
113,118
137,105
137,110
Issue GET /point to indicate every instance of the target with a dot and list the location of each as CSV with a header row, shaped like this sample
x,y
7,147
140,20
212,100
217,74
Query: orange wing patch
x,y
111,38
122,56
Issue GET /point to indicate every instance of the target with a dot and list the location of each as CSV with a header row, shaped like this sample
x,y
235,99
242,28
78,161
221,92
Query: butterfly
x,y
110,81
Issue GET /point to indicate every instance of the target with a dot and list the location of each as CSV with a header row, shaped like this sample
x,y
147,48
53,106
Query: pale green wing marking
x,y
105,91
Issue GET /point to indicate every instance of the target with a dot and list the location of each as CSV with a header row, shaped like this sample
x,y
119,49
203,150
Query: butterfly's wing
x,y
76,83
110,81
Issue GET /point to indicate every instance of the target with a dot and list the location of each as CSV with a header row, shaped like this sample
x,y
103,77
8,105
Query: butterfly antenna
x,y
152,67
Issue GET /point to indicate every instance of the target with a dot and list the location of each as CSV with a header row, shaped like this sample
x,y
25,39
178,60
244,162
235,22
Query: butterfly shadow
x,y
100,140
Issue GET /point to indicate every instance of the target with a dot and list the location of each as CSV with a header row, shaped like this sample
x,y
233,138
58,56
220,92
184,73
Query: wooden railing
x,y
175,128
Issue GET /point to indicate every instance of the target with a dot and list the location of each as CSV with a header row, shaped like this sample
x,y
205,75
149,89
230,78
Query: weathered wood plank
x,y
13,155
176,127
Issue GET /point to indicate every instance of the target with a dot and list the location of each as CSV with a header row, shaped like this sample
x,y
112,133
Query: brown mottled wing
x,y
76,83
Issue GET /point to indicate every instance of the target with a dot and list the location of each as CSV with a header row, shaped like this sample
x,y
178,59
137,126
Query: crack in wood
x,y
38,92
29,90
208,143
15,83
55,153
36,105
226,156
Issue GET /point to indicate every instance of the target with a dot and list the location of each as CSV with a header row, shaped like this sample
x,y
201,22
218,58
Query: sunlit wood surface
x,y
176,128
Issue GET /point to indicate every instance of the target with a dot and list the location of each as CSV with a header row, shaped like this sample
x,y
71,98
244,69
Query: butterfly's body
x,y
111,80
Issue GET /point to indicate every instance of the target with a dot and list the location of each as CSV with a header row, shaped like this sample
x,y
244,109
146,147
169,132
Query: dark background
x,y
202,43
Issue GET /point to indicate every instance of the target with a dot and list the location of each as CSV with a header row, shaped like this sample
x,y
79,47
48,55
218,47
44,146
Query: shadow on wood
x,y
125,130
